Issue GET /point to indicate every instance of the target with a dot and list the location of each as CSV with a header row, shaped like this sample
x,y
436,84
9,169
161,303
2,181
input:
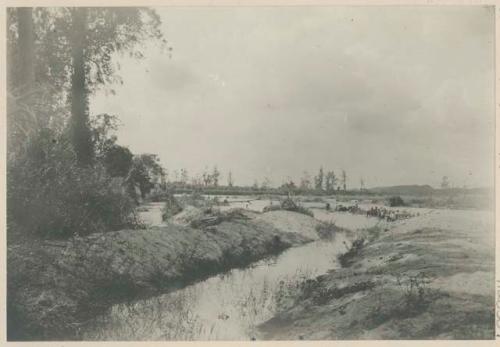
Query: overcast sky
x,y
397,95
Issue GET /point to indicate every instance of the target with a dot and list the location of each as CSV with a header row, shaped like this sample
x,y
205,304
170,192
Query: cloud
x,y
170,75
396,94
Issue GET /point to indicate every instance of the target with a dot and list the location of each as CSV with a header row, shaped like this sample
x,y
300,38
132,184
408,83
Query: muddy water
x,y
227,306
223,307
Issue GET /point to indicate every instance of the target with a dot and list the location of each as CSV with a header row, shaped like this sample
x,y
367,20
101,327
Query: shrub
x,y
289,204
171,207
396,201
213,217
416,292
327,229
50,196
346,259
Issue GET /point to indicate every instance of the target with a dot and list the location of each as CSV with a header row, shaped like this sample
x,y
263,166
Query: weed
x,y
416,292
171,207
346,259
327,230
289,204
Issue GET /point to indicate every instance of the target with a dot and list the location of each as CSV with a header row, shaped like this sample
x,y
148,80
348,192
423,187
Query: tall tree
x,y
344,180
80,130
21,121
318,180
330,181
215,176
118,161
184,176
145,173
74,49
230,180
206,177
26,76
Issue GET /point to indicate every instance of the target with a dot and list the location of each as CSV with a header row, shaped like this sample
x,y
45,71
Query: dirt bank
x,y
430,277
55,287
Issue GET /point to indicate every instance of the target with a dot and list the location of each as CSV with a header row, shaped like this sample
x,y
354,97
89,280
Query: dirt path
x,y
429,277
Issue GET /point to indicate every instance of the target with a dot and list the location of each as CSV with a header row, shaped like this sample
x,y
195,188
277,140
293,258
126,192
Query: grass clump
x,y
327,230
346,259
413,298
172,207
416,292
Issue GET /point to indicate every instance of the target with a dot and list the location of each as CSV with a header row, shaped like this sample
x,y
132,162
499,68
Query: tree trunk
x,y
80,132
26,77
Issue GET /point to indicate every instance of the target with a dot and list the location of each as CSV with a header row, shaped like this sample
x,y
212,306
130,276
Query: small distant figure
x,y
328,206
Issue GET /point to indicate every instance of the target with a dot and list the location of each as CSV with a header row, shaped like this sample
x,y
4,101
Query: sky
x,y
393,95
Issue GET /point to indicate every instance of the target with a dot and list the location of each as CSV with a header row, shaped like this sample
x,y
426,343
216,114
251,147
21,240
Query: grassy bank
x,y
55,288
430,277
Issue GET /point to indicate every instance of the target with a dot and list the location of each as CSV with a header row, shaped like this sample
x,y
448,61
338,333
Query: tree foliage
x,y
146,172
50,131
318,180
330,181
75,49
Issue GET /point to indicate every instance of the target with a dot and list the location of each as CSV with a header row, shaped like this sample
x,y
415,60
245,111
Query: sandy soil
x,y
287,221
428,277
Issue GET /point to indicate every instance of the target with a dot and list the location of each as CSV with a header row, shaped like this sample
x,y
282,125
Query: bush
x,y
289,204
416,291
346,259
212,217
327,229
395,201
171,207
50,196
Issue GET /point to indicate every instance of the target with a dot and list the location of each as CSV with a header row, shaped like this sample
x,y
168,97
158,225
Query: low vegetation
x,y
327,230
395,201
288,204
50,196
401,283
347,258
171,207
83,277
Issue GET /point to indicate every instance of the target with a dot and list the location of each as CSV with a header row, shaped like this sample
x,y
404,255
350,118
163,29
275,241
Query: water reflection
x,y
228,306
223,307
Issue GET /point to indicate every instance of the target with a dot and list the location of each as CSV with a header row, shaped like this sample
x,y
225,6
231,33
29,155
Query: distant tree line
x,y
323,183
